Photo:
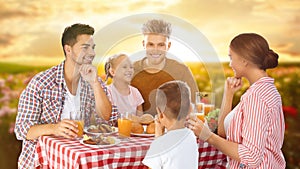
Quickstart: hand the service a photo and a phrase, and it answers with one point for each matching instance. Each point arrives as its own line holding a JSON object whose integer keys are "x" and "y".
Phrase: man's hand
{"x": 66, "y": 128}
{"x": 89, "y": 73}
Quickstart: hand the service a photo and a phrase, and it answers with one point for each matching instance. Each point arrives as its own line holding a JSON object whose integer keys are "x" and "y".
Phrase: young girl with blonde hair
{"x": 126, "y": 97}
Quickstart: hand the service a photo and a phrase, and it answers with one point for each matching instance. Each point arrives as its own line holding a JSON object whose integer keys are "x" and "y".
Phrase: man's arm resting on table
{"x": 65, "y": 128}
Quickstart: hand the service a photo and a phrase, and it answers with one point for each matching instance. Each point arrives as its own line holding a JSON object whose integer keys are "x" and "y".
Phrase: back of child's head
{"x": 112, "y": 63}
{"x": 173, "y": 98}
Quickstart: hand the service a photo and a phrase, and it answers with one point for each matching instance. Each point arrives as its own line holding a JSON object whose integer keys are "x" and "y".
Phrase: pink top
{"x": 125, "y": 103}
{"x": 258, "y": 127}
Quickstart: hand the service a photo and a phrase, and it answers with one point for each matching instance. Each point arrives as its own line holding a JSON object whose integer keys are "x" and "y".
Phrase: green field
{"x": 14, "y": 68}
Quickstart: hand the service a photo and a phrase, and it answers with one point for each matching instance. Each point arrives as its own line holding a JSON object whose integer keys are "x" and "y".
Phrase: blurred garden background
{"x": 14, "y": 78}
{"x": 32, "y": 30}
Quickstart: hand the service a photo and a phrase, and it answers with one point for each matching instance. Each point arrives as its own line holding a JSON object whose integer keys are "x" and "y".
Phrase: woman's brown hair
{"x": 255, "y": 49}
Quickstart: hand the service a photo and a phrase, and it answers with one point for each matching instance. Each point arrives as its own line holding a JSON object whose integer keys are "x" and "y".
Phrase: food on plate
{"x": 93, "y": 129}
{"x": 146, "y": 119}
{"x": 105, "y": 128}
{"x": 90, "y": 141}
{"x": 137, "y": 128}
{"x": 100, "y": 128}
{"x": 150, "y": 128}
{"x": 135, "y": 118}
{"x": 85, "y": 137}
{"x": 101, "y": 140}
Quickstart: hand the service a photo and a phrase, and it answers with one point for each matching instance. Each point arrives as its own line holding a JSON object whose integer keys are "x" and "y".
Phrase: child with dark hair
{"x": 177, "y": 148}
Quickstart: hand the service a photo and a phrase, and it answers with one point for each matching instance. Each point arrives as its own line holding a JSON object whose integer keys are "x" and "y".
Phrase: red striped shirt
{"x": 258, "y": 127}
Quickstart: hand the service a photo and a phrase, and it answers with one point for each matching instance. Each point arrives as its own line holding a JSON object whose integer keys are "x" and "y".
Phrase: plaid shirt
{"x": 42, "y": 102}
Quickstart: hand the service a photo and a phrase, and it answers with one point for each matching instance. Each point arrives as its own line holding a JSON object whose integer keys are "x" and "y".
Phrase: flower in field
{"x": 287, "y": 80}
{"x": 7, "y": 110}
{"x": 289, "y": 110}
{"x": 278, "y": 84}
{"x": 27, "y": 80}
{"x": 2, "y": 112}
{"x": 15, "y": 94}
{"x": 10, "y": 78}
{"x": 5, "y": 90}
{"x": 2, "y": 83}
{"x": 286, "y": 126}
{"x": 5, "y": 99}
{"x": 11, "y": 128}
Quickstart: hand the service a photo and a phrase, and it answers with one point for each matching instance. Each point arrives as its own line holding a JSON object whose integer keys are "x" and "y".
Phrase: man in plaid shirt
{"x": 52, "y": 95}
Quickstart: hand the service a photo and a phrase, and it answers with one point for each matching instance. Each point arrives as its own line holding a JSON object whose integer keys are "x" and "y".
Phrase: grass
{"x": 14, "y": 68}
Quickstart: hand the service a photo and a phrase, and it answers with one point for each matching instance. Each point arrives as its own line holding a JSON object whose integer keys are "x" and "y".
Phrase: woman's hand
{"x": 233, "y": 84}
{"x": 198, "y": 127}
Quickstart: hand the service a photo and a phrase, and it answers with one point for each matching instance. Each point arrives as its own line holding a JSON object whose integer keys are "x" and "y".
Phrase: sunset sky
{"x": 31, "y": 30}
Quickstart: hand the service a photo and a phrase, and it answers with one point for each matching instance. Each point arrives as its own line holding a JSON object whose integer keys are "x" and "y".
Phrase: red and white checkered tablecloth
{"x": 210, "y": 157}
{"x": 56, "y": 152}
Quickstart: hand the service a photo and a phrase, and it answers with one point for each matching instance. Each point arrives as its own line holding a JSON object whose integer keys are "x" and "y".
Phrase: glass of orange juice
{"x": 196, "y": 113}
{"x": 200, "y": 116}
{"x": 124, "y": 124}
{"x": 208, "y": 100}
{"x": 208, "y": 108}
{"x": 199, "y": 105}
{"x": 78, "y": 117}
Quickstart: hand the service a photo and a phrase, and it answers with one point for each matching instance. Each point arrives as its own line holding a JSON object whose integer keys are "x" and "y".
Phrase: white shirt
{"x": 176, "y": 149}
{"x": 228, "y": 119}
{"x": 72, "y": 102}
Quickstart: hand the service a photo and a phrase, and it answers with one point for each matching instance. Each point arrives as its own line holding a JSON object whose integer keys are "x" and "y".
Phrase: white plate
{"x": 117, "y": 141}
{"x": 115, "y": 130}
{"x": 143, "y": 134}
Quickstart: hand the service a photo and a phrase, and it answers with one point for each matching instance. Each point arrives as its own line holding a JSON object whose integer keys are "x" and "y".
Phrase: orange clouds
{"x": 33, "y": 28}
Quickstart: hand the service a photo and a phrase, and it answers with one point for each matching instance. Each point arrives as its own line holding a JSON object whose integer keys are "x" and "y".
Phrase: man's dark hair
{"x": 71, "y": 32}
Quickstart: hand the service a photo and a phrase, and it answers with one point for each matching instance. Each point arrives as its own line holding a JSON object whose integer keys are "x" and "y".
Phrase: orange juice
{"x": 124, "y": 126}
{"x": 199, "y": 107}
{"x": 208, "y": 108}
{"x": 80, "y": 128}
{"x": 200, "y": 116}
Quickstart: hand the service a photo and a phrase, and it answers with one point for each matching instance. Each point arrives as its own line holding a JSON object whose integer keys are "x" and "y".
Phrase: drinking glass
{"x": 199, "y": 105}
{"x": 78, "y": 117}
{"x": 124, "y": 124}
{"x": 208, "y": 98}
{"x": 198, "y": 114}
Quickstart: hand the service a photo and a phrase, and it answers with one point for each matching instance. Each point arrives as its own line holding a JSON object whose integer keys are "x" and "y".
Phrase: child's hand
{"x": 159, "y": 128}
